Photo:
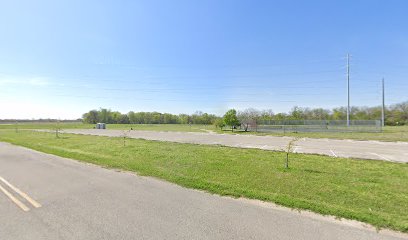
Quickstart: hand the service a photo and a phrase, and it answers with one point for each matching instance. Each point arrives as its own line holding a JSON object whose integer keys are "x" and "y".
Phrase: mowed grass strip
{"x": 143, "y": 127}
{"x": 389, "y": 133}
{"x": 374, "y": 192}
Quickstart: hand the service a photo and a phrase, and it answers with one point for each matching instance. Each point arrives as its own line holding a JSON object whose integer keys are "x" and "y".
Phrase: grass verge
{"x": 389, "y": 134}
{"x": 146, "y": 127}
{"x": 374, "y": 192}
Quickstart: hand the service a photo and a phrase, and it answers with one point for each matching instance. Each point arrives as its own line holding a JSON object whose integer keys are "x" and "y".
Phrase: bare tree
{"x": 57, "y": 129}
{"x": 125, "y": 136}
{"x": 290, "y": 149}
{"x": 248, "y": 117}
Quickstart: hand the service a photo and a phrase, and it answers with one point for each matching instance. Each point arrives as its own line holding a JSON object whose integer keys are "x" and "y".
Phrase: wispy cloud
{"x": 6, "y": 81}
{"x": 32, "y": 81}
{"x": 39, "y": 81}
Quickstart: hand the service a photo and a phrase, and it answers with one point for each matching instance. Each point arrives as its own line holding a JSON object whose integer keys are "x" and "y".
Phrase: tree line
{"x": 396, "y": 114}
{"x": 108, "y": 116}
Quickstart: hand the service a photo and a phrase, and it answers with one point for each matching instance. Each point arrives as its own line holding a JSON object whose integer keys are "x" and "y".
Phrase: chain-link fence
{"x": 287, "y": 126}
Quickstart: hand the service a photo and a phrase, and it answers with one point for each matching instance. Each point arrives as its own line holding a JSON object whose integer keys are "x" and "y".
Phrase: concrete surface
{"x": 387, "y": 151}
{"x": 83, "y": 201}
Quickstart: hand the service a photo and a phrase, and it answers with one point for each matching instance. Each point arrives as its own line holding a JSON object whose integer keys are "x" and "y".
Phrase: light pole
{"x": 348, "y": 90}
{"x": 383, "y": 105}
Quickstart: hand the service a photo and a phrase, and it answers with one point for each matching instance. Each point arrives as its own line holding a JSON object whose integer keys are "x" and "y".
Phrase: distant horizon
{"x": 218, "y": 115}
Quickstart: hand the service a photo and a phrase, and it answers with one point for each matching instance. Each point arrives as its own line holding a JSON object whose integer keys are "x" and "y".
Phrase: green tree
{"x": 339, "y": 113}
{"x": 184, "y": 118}
{"x": 91, "y": 117}
{"x": 297, "y": 113}
{"x": 123, "y": 119}
{"x": 132, "y": 117}
{"x": 231, "y": 119}
{"x": 115, "y": 117}
{"x": 105, "y": 115}
{"x": 219, "y": 123}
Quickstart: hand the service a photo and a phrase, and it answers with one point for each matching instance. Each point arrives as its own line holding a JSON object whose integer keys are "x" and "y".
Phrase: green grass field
{"x": 374, "y": 192}
{"x": 389, "y": 134}
{"x": 399, "y": 133}
{"x": 147, "y": 127}
{"x": 163, "y": 127}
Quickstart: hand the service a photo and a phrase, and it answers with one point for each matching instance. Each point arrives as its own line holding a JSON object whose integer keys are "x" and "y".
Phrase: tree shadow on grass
{"x": 313, "y": 171}
{"x": 63, "y": 137}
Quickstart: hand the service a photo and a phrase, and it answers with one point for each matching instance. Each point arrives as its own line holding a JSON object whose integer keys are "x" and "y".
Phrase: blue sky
{"x": 60, "y": 59}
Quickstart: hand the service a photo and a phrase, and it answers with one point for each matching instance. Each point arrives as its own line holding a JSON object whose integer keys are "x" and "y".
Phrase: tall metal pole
{"x": 383, "y": 105}
{"x": 348, "y": 89}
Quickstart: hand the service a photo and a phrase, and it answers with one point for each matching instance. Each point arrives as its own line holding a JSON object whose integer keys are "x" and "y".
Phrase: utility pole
{"x": 348, "y": 90}
{"x": 383, "y": 105}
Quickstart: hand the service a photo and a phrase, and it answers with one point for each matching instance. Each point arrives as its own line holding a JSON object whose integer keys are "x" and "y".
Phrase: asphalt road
{"x": 388, "y": 151}
{"x": 73, "y": 200}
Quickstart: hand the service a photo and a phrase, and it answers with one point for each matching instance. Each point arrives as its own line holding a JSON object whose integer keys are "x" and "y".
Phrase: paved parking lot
{"x": 387, "y": 151}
